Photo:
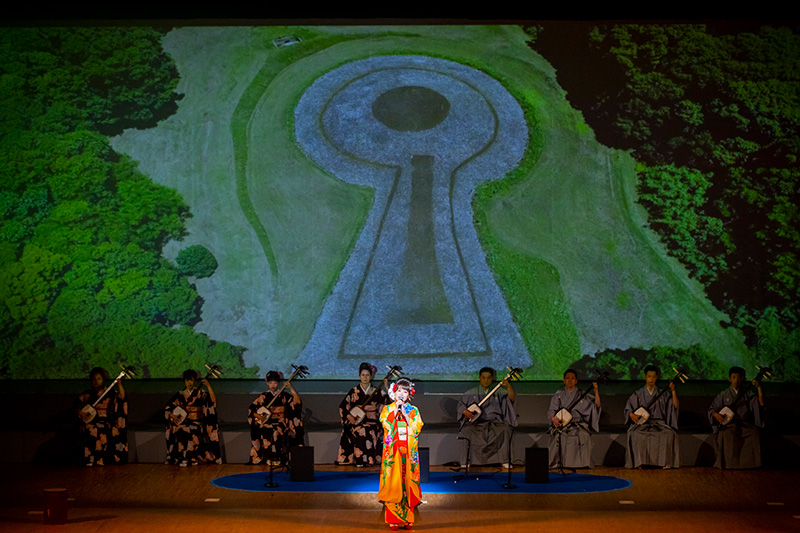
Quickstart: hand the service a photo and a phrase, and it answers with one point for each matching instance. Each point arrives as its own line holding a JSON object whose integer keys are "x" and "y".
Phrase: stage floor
{"x": 152, "y": 498}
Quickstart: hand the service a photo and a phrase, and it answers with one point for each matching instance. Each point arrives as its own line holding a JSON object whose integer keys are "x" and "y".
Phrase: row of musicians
{"x": 194, "y": 437}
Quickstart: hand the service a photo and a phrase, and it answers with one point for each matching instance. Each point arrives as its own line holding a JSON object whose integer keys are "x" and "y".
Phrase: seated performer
{"x": 192, "y": 428}
{"x": 361, "y": 442}
{"x": 738, "y": 441}
{"x": 570, "y": 442}
{"x": 652, "y": 442}
{"x": 273, "y": 435}
{"x": 104, "y": 438}
{"x": 489, "y": 434}
{"x": 399, "y": 489}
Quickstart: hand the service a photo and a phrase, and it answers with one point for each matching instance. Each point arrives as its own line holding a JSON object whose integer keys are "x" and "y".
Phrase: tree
{"x": 676, "y": 200}
{"x": 629, "y": 364}
{"x": 83, "y": 281}
{"x": 713, "y": 117}
{"x": 196, "y": 261}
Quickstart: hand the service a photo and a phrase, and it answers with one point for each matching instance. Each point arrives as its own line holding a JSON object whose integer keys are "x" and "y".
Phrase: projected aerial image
{"x": 543, "y": 196}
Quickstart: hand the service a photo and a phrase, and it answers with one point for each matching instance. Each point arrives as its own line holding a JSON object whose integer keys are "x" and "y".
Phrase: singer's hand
{"x": 401, "y": 408}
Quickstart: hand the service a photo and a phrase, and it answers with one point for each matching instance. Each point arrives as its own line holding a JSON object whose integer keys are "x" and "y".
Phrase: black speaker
{"x": 536, "y": 465}
{"x": 302, "y": 466}
{"x": 424, "y": 465}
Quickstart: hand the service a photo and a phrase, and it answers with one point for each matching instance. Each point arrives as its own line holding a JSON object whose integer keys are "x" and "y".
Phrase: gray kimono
{"x": 654, "y": 442}
{"x": 490, "y": 434}
{"x": 738, "y": 442}
{"x": 572, "y": 444}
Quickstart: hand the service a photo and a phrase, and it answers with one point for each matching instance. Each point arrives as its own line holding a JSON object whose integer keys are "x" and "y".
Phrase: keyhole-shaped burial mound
{"x": 422, "y": 133}
{"x": 410, "y": 108}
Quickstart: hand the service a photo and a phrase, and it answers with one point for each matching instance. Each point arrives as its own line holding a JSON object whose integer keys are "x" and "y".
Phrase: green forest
{"x": 82, "y": 275}
{"x": 711, "y": 113}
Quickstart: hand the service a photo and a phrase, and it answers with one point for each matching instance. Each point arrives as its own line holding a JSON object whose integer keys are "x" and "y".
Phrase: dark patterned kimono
{"x": 362, "y": 444}
{"x": 196, "y": 440}
{"x": 104, "y": 440}
{"x": 271, "y": 442}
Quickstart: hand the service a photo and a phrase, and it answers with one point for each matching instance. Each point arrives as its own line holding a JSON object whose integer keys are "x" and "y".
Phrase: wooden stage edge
{"x": 152, "y": 498}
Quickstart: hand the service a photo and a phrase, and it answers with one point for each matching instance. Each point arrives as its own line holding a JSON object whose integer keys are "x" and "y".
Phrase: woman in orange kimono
{"x": 400, "y": 486}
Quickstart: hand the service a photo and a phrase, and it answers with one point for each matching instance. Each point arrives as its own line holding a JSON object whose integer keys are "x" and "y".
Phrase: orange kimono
{"x": 400, "y": 487}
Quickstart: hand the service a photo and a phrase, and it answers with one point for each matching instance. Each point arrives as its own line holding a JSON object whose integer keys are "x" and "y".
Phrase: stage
{"x": 151, "y": 498}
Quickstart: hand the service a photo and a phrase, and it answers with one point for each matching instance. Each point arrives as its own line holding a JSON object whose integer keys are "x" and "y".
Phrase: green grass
{"x": 575, "y": 208}
{"x": 279, "y": 60}
{"x": 562, "y": 233}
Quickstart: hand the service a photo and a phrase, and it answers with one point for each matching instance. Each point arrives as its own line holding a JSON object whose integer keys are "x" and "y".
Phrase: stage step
{"x": 147, "y": 445}
{"x": 697, "y": 449}
{"x": 40, "y": 428}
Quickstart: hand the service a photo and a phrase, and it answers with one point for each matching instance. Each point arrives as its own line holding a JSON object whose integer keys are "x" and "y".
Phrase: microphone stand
{"x": 561, "y": 468}
{"x": 465, "y": 475}
{"x": 508, "y": 484}
{"x": 270, "y": 484}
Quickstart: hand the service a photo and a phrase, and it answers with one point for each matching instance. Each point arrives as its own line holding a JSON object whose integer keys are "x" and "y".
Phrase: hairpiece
{"x": 402, "y": 382}
{"x": 274, "y": 375}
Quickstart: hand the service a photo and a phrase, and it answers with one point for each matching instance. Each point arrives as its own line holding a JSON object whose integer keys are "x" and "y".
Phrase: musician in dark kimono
{"x": 103, "y": 439}
{"x": 192, "y": 428}
{"x": 361, "y": 442}
{"x": 738, "y": 440}
{"x": 489, "y": 434}
{"x": 653, "y": 440}
{"x": 570, "y": 442}
{"x": 272, "y": 434}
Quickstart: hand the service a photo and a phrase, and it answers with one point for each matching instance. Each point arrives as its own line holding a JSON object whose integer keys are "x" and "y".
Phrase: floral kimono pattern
{"x": 196, "y": 440}
{"x": 104, "y": 440}
{"x": 400, "y": 488}
{"x": 361, "y": 444}
{"x": 271, "y": 441}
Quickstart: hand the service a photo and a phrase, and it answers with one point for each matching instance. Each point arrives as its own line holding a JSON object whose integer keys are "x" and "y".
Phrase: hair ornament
{"x": 274, "y": 375}
{"x": 402, "y": 382}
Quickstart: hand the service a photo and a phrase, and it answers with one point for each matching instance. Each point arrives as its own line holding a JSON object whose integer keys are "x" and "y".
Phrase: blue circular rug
{"x": 440, "y": 483}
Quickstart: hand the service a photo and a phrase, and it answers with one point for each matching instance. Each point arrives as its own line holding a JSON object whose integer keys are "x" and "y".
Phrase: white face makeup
{"x": 401, "y": 395}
